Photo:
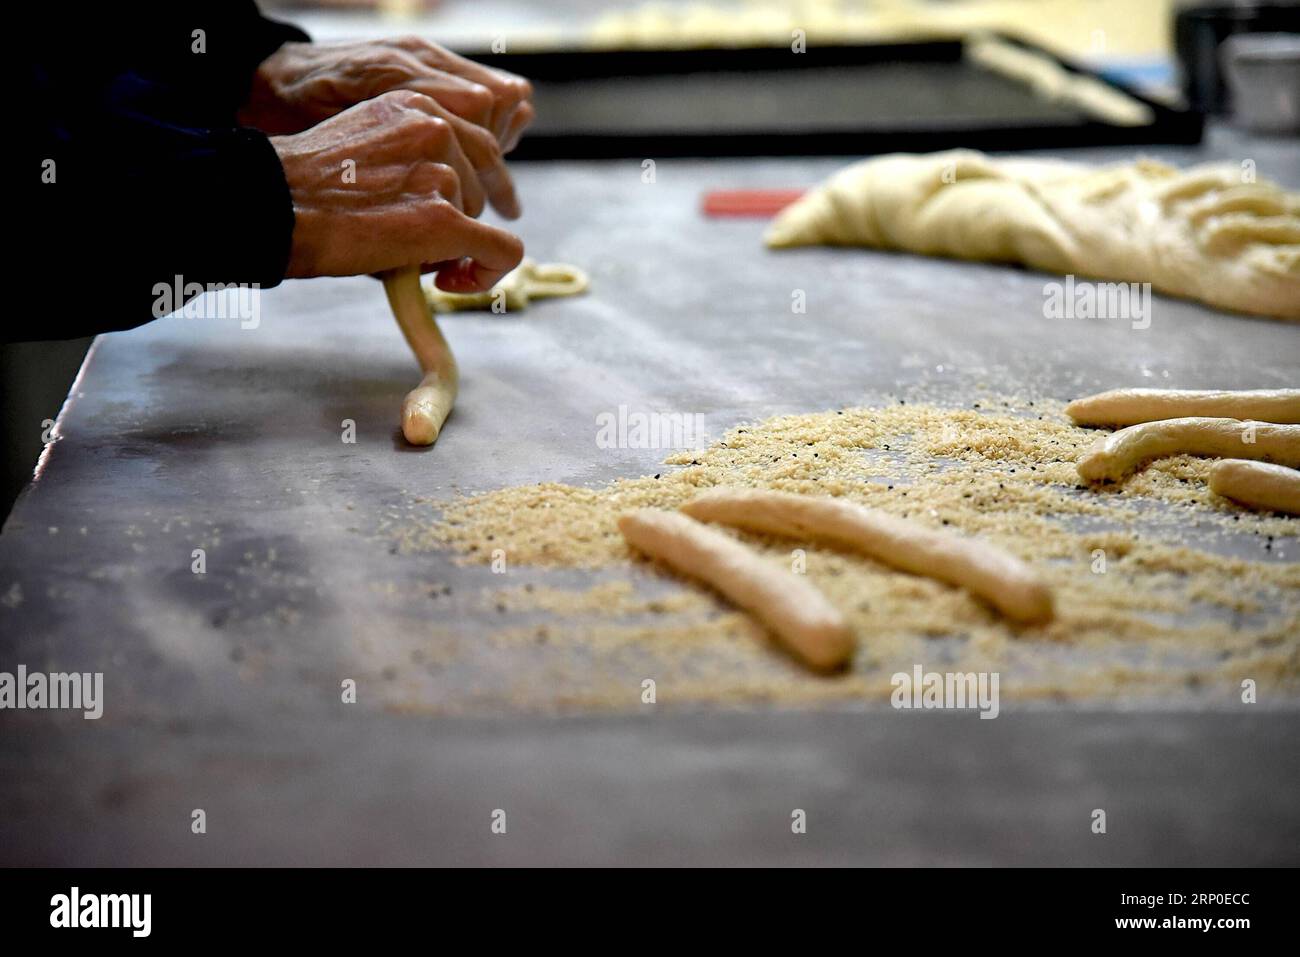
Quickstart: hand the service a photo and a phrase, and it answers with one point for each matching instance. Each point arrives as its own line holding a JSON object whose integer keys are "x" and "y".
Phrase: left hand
{"x": 301, "y": 84}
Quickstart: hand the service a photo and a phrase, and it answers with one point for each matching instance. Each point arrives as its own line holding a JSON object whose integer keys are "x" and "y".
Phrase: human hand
{"x": 419, "y": 174}
{"x": 303, "y": 83}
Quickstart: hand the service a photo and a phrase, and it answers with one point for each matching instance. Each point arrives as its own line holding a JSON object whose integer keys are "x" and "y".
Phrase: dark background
{"x": 34, "y": 380}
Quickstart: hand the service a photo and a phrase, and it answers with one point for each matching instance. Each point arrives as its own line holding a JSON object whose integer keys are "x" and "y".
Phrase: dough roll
{"x": 1116, "y": 455}
{"x": 1259, "y": 485}
{"x": 1120, "y": 407}
{"x": 797, "y": 613}
{"x": 1001, "y": 579}
{"x": 426, "y": 407}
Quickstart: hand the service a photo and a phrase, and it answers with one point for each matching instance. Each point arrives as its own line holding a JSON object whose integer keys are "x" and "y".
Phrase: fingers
{"x": 461, "y": 275}
{"x": 508, "y": 91}
{"x": 507, "y": 110}
{"x": 472, "y": 152}
{"x": 486, "y": 253}
{"x": 484, "y": 154}
{"x": 519, "y": 121}
{"x": 438, "y": 142}
{"x": 434, "y": 181}
{"x": 465, "y": 98}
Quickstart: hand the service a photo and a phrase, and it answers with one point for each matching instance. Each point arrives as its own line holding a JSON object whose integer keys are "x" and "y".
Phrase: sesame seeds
{"x": 1170, "y": 609}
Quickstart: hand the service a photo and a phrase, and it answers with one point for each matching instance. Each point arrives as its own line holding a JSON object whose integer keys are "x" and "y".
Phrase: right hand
{"x": 421, "y": 175}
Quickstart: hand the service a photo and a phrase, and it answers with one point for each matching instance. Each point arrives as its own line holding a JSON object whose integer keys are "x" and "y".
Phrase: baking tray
{"x": 829, "y": 100}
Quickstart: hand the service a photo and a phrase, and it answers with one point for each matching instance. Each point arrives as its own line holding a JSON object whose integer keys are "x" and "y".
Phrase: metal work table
{"x": 222, "y": 690}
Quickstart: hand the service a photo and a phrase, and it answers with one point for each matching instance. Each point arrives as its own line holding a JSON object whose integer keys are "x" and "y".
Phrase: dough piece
{"x": 1120, "y": 407}
{"x": 427, "y": 406}
{"x": 1257, "y": 484}
{"x": 1003, "y": 580}
{"x": 1053, "y": 82}
{"x": 1200, "y": 233}
{"x": 1119, "y": 453}
{"x": 796, "y": 612}
{"x": 1133, "y": 30}
{"x": 516, "y": 289}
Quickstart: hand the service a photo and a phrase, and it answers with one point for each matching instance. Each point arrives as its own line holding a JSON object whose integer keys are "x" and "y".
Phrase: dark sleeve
{"x": 139, "y": 178}
{"x": 205, "y": 207}
{"x": 209, "y": 50}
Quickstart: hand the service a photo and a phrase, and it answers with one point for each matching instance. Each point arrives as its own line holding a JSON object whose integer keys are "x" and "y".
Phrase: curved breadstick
{"x": 1121, "y": 407}
{"x": 1002, "y": 580}
{"x": 1257, "y": 484}
{"x": 1119, "y": 453}
{"x": 426, "y": 406}
{"x": 796, "y": 612}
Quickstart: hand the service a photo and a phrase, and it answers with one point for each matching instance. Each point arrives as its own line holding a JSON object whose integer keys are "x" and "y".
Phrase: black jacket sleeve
{"x": 138, "y": 177}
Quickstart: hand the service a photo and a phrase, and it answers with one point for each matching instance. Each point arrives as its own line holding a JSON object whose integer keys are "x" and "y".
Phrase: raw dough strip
{"x": 796, "y": 612}
{"x": 1120, "y": 407}
{"x": 1054, "y": 83}
{"x": 1119, "y": 453}
{"x": 1257, "y": 484}
{"x": 427, "y": 406}
{"x": 1002, "y": 580}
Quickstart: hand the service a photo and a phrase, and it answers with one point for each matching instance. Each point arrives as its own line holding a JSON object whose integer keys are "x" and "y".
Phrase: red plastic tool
{"x": 754, "y": 203}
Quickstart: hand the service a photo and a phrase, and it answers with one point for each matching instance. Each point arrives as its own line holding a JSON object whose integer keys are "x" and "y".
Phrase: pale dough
{"x": 1119, "y": 453}
{"x": 1260, "y": 485}
{"x": 1132, "y": 30}
{"x": 1053, "y": 82}
{"x": 1120, "y": 407}
{"x": 1201, "y": 233}
{"x": 1001, "y": 579}
{"x": 796, "y": 612}
{"x": 516, "y": 289}
{"x": 427, "y": 406}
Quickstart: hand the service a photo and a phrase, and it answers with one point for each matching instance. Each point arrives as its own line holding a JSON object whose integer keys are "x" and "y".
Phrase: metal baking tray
{"x": 829, "y": 100}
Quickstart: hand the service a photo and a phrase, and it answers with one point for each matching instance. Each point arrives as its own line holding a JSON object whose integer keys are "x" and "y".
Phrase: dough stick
{"x": 426, "y": 406}
{"x": 1120, "y": 407}
{"x": 1002, "y": 580}
{"x": 1257, "y": 484}
{"x": 1054, "y": 83}
{"x": 796, "y": 612}
{"x": 1119, "y": 453}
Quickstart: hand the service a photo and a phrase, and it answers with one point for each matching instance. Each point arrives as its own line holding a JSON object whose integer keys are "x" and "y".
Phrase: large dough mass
{"x": 1204, "y": 233}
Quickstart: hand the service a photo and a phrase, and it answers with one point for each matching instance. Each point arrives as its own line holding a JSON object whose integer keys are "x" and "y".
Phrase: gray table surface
{"x": 222, "y": 690}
